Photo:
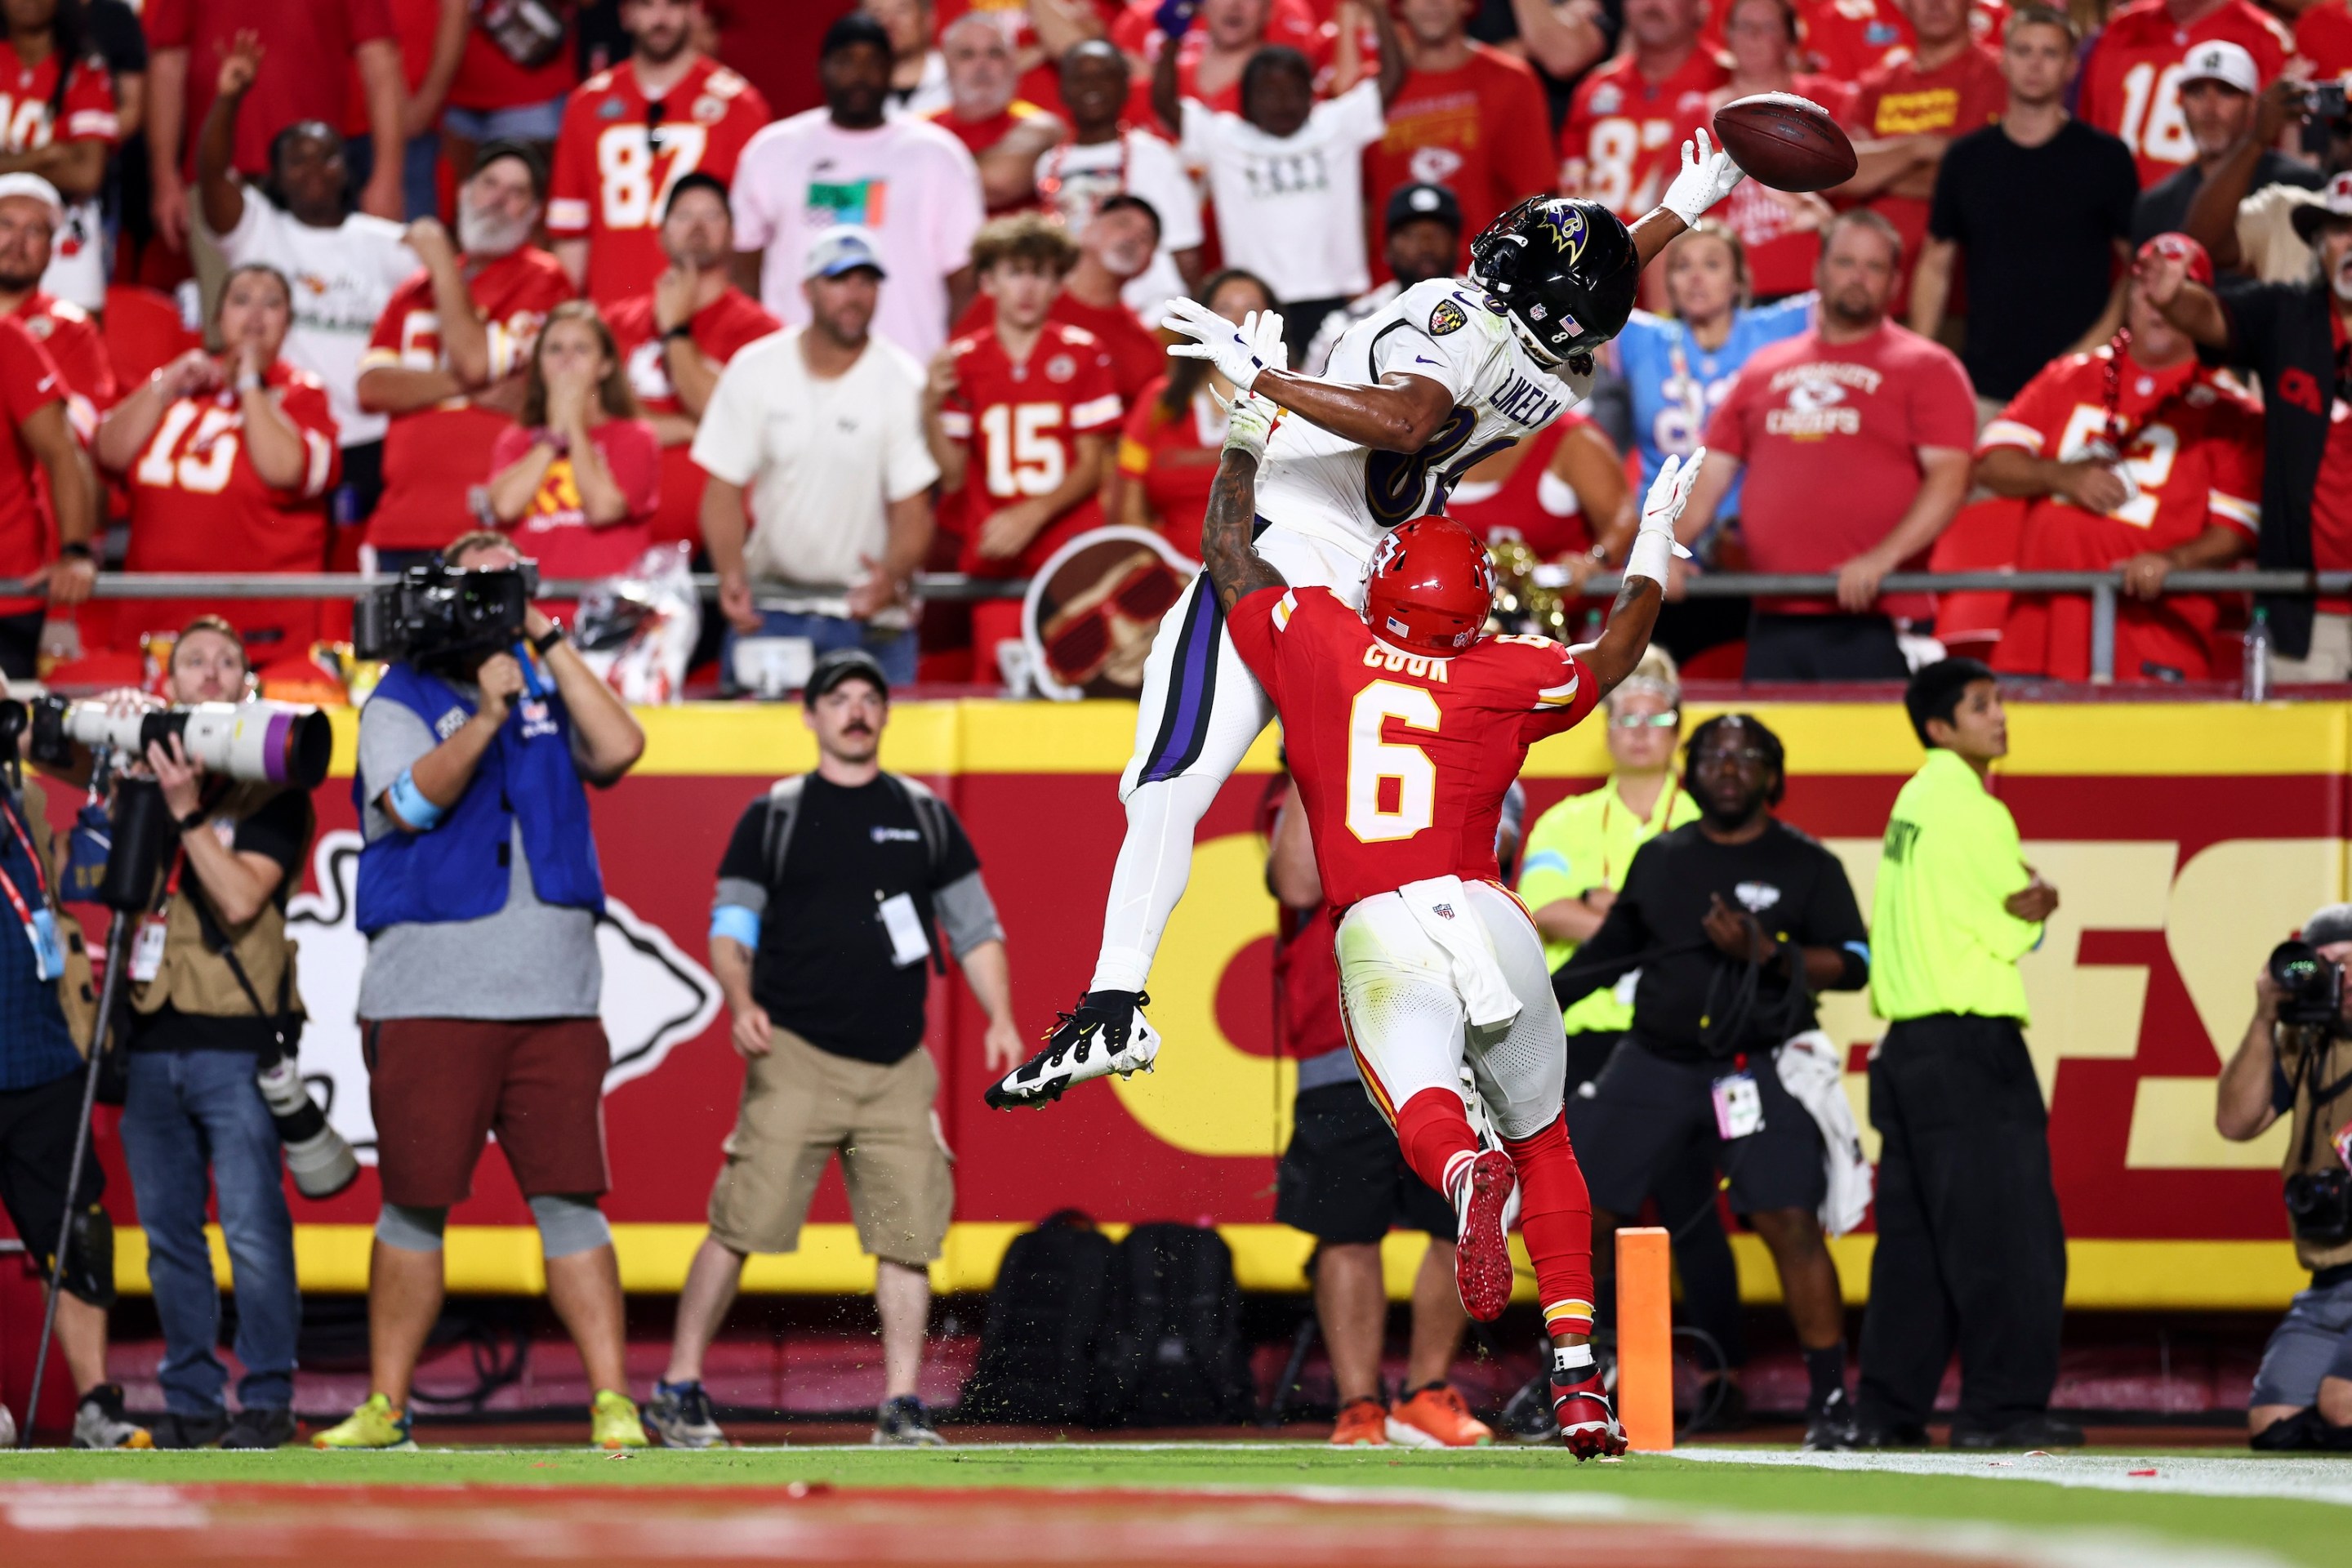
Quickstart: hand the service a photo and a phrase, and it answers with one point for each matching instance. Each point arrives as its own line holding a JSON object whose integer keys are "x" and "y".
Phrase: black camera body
{"x": 2311, "y": 987}
{"x": 2319, "y": 1206}
{"x": 442, "y": 618}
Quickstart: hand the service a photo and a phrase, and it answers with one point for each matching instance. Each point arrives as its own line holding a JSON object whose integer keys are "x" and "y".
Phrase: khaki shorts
{"x": 801, "y": 1106}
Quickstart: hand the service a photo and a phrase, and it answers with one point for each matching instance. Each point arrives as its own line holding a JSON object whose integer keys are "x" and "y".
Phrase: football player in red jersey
{"x": 228, "y": 462}
{"x": 2131, "y": 79}
{"x": 1629, "y": 118}
{"x": 1021, "y": 418}
{"x": 2138, "y": 456}
{"x": 629, "y": 135}
{"x": 676, "y": 340}
{"x": 1404, "y": 725}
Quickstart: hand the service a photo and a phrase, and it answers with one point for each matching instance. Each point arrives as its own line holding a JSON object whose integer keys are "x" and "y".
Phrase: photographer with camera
{"x": 479, "y": 892}
{"x": 213, "y": 1003}
{"x": 2296, "y": 1061}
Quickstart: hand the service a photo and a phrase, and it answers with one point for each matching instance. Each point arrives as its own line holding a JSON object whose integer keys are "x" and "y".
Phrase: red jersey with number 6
{"x": 1402, "y": 759}
{"x": 1020, "y": 424}
{"x": 619, "y": 153}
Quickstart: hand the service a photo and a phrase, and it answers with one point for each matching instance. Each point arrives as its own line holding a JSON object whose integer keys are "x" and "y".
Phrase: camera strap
{"x": 217, "y": 940}
{"x": 2321, "y": 1096}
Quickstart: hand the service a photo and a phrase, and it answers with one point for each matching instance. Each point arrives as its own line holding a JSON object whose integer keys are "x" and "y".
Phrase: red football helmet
{"x": 1430, "y": 587}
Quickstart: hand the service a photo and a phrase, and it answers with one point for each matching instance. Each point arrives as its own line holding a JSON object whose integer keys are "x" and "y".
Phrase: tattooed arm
{"x": 1235, "y": 568}
{"x": 1626, "y": 637}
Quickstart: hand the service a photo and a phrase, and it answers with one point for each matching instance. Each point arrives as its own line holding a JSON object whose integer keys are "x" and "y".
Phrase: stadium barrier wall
{"x": 2186, "y": 839}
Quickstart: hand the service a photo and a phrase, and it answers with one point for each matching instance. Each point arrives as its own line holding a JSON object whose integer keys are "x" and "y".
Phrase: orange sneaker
{"x": 1435, "y": 1417}
{"x": 1363, "y": 1424}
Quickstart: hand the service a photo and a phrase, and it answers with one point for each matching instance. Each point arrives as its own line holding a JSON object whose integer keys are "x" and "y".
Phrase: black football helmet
{"x": 1564, "y": 270}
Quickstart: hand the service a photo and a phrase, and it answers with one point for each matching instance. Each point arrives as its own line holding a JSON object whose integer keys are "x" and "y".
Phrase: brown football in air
{"x": 1788, "y": 142}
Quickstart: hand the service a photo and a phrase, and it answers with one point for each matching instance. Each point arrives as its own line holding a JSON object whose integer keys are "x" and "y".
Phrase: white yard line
{"x": 2317, "y": 1478}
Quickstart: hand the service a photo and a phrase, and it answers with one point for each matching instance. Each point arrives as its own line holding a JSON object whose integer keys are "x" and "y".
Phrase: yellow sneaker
{"x": 375, "y": 1425}
{"x": 614, "y": 1421}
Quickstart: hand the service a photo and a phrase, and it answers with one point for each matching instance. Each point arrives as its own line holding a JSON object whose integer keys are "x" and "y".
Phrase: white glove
{"x": 1239, "y": 354}
{"x": 1654, "y": 543}
{"x": 1250, "y": 421}
{"x": 1709, "y": 173}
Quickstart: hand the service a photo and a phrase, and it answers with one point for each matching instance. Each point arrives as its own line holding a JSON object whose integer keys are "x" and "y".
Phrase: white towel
{"x": 1812, "y": 1070}
{"x": 1442, "y": 907}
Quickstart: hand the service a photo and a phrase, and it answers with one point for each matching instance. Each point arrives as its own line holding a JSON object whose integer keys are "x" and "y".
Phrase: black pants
{"x": 20, "y": 644}
{"x": 1823, "y": 647}
{"x": 1971, "y": 1251}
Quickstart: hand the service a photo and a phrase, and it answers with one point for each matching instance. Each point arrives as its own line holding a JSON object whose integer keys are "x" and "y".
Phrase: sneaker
{"x": 1363, "y": 1423}
{"x": 614, "y": 1421}
{"x": 1870, "y": 1434}
{"x": 1109, "y": 1034}
{"x": 679, "y": 1414}
{"x": 375, "y": 1425}
{"x": 260, "y": 1429}
{"x": 174, "y": 1430}
{"x": 1832, "y": 1425}
{"x": 1483, "y": 1191}
{"x": 903, "y": 1423}
{"x": 1435, "y": 1417}
{"x": 100, "y": 1421}
{"x": 2040, "y": 1431}
{"x": 1588, "y": 1421}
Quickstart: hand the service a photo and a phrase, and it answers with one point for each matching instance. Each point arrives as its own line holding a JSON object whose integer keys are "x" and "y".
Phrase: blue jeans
{"x": 420, "y": 185}
{"x": 188, "y": 1109}
{"x": 893, "y": 650}
{"x": 522, "y": 123}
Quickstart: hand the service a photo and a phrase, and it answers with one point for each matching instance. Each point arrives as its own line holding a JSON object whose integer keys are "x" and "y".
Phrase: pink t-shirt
{"x": 908, "y": 181}
{"x": 555, "y": 530}
{"x": 1829, "y": 435}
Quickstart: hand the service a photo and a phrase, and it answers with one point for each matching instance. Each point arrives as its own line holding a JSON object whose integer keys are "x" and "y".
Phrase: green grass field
{"x": 2306, "y": 1517}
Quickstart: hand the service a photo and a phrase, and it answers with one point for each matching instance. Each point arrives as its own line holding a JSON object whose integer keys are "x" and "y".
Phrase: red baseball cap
{"x": 2181, "y": 249}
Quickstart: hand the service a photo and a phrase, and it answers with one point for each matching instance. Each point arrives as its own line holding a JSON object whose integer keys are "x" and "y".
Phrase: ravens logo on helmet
{"x": 1564, "y": 271}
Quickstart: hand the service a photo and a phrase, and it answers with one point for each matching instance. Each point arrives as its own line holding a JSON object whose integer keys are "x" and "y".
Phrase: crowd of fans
{"x": 933, "y": 196}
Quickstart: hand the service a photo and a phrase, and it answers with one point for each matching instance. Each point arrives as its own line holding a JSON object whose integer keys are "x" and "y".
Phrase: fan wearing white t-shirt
{"x": 1286, "y": 174}
{"x": 906, "y": 181}
{"x": 1101, "y": 160}
{"x": 343, "y": 266}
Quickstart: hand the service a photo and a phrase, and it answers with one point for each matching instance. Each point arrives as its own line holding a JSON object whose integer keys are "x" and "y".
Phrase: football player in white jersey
{"x": 1446, "y": 374}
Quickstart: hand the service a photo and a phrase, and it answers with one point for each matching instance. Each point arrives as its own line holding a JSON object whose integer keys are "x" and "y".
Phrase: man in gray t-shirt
{"x": 478, "y": 1004}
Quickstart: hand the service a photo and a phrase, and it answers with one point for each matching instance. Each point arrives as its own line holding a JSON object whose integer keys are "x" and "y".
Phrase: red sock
{"x": 1556, "y": 1217}
{"x": 1435, "y": 1134}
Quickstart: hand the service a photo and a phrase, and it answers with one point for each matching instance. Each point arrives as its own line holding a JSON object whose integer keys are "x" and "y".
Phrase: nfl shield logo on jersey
{"x": 1445, "y": 912}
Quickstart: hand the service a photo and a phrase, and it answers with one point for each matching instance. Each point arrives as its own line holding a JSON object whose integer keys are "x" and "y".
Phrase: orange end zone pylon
{"x": 1645, "y": 1339}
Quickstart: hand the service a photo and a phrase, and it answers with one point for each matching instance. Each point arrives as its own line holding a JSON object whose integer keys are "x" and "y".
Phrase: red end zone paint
{"x": 363, "y": 1526}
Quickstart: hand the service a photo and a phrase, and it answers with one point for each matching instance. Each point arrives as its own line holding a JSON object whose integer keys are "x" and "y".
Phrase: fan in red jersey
{"x": 629, "y": 135}
{"x": 229, "y": 460}
{"x": 31, "y": 216}
{"x": 2131, "y": 80}
{"x": 1218, "y": 41}
{"x": 1629, "y": 118}
{"x": 62, "y": 131}
{"x": 676, "y": 340}
{"x": 1019, "y": 418}
{"x": 446, "y": 358}
{"x": 1004, "y": 133}
{"x": 2137, "y": 456}
{"x": 38, "y": 440}
{"x": 1404, "y": 725}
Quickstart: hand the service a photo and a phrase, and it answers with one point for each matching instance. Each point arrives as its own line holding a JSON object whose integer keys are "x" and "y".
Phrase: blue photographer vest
{"x": 460, "y": 870}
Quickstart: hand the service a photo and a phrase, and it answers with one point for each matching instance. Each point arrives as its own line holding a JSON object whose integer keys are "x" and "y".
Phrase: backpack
{"x": 929, "y": 812}
{"x": 1175, "y": 1356}
{"x": 1043, "y": 1343}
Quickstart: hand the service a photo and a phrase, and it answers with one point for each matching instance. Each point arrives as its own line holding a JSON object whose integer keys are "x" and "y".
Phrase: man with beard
{"x": 1102, "y": 159}
{"x": 45, "y": 529}
{"x": 906, "y": 181}
{"x": 1423, "y": 224}
{"x": 1856, "y": 407}
{"x": 2224, "y": 103}
{"x": 344, "y": 265}
{"x": 31, "y": 213}
{"x": 675, "y": 339}
{"x": 1733, "y": 921}
{"x": 2292, "y": 335}
{"x": 447, "y": 358}
{"x": 629, "y": 134}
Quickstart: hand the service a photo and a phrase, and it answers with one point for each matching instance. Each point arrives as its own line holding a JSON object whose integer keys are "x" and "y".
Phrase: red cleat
{"x": 1588, "y": 1422}
{"x": 1482, "y": 1257}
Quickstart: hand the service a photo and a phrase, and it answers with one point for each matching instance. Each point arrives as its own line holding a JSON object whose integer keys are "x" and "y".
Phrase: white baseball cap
{"x": 844, "y": 247}
{"x": 38, "y": 189}
{"x": 2224, "y": 62}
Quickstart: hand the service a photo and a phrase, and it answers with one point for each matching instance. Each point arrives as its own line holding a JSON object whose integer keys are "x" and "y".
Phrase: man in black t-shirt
{"x": 1733, "y": 922}
{"x": 2038, "y": 206}
{"x": 835, "y": 897}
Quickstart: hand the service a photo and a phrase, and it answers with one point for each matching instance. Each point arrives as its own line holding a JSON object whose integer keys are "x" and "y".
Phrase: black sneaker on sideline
{"x": 173, "y": 1430}
{"x": 260, "y": 1429}
{"x": 903, "y": 1423}
{"x": 2040, "y": 1431}
{"x": 679, "y": 1414}
{"x": 1889, "y": 1435}
{"x": 1832, "y": 1425}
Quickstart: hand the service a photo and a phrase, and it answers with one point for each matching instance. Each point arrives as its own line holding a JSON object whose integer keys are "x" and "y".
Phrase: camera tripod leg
{"x": 118, "y": 957}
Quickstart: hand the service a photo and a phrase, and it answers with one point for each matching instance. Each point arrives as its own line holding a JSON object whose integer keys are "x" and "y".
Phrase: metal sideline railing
{"x": 2103, "y": 588}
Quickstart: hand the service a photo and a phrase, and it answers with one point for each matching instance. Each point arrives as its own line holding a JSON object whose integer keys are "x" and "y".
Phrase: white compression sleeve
{"x": 1155, "y": 861}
